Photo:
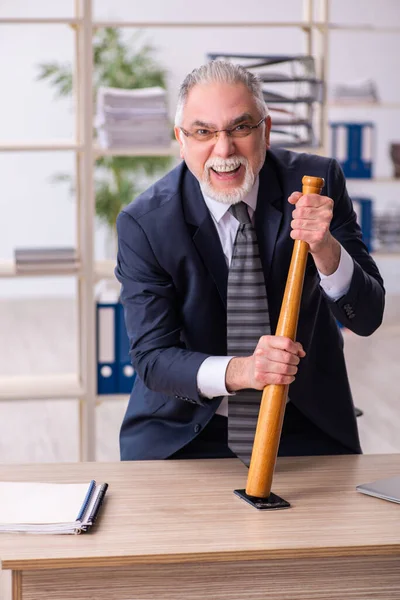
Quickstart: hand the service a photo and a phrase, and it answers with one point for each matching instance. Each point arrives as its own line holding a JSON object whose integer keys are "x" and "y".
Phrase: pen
{"x": 98, "y": 502}
{"x": 86, "y": 501}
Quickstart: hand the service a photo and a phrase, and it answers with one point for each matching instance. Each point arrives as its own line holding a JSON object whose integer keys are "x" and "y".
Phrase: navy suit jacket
{"x": 174, "y": 285}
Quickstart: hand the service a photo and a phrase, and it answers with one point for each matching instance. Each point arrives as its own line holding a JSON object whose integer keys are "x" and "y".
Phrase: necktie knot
{"x": 240, "y": 212}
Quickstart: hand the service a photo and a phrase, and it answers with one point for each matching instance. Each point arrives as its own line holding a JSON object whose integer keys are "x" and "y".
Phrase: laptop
{"x": 387, "y": 489}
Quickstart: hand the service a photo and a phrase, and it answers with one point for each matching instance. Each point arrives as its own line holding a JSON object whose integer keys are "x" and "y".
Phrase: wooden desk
{"x": 174, "y": 530}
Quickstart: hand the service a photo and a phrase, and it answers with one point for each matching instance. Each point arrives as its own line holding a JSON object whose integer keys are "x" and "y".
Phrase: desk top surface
{"x": 185, "y": 511}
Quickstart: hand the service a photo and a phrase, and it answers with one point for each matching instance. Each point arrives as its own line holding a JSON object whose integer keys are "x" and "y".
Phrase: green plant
{"x": 119, "y": 179}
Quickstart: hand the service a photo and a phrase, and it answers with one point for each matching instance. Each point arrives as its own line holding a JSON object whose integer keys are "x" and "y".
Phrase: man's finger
{"x": 275, "y": 367}
{"x": 294, "y": 197}
{"x": 313, "y": 200}
{"x": 279, "y": 356}
{"x": 280, "y": 343}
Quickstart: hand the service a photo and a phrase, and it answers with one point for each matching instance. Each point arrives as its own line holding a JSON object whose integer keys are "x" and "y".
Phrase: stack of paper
{"x": 49, "y": 507}
{"x": 387, "y": 230}
{"x": 355, "y": 92}
{"x": 45, "y": 259}
{"x": 132, "y": 118}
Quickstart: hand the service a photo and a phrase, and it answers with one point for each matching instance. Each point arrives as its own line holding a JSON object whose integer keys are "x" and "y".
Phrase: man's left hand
{"x": 312, "y": 217}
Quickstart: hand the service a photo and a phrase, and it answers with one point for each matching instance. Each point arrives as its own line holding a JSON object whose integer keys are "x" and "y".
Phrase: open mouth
{"x": 226, "y": 172}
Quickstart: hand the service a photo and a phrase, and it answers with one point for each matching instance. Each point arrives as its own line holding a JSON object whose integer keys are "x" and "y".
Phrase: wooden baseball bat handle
{"x": 273, "y": 402}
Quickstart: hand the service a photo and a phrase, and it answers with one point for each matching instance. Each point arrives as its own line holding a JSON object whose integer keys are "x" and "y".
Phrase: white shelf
{"x": 52, "y": 387}
{"x": 172, "y": 150}
{"x": 112, "y": 398}
{"x": 373, "y": 180}
{"x": 202, "y": 24}
{"x": 39, "y": 21}
{"x": 369, "y": 28}
{"x": 104, "y": 269}
{"x": 381, "y": 254}
{"x": 358, "y": 105}
{"x": 40, "y": 146}
{"x": 306, "y": 26}
{"x": 8, "y": 269}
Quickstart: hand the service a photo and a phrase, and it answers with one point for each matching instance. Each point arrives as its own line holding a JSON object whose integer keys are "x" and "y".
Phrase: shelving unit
{"x": 349, "y": 109}
{"x": 82, "y": 385}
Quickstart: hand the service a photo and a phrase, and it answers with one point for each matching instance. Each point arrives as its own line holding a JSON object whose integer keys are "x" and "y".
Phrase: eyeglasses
{"x": 205, "y": 135}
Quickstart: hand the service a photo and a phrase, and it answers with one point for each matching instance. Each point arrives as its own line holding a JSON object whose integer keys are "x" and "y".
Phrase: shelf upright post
{"x": 322, "y": 53}
{"x": 86, "y": 216}
{"x": 308, "y": 11}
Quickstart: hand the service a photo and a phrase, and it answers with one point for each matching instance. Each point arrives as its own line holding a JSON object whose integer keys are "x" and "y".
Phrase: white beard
{"x": 234, "y": 195}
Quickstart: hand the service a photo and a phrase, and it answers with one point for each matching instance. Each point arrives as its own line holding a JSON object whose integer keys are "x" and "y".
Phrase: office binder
{"x": 115, "y": 374}
{"x": 125, "y": 372}
{"x": 50, "y": 508}
{"x": 352, "y": 146}
{"x": 107, "y": 376}
{"x": 364, "y": 211}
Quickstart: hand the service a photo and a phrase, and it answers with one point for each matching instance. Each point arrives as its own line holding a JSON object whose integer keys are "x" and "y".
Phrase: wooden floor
{"x": 38, "y": 337}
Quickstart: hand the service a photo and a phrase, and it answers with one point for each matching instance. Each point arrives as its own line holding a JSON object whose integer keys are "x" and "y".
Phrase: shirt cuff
{"x": 338, "y": 284}
{"x": 211, "y": 376}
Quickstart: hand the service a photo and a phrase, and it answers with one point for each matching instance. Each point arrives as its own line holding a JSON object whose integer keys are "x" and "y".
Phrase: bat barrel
{"x": 273, "y": 402}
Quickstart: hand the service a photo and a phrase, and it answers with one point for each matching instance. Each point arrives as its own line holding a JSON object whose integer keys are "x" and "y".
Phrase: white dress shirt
{"x": 211, "y": 374}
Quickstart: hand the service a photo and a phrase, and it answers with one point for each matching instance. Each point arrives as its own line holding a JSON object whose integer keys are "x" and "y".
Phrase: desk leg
{"x": 10, "y": 585}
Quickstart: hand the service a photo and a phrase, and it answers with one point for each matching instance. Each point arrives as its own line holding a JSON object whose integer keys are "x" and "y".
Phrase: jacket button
{"x": 197, "y": 428}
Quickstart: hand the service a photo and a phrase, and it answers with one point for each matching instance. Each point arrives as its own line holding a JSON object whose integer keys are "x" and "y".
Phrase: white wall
{"x": 35, "y": 212}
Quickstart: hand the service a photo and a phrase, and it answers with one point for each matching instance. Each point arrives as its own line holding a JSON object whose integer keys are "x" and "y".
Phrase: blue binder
{"x": 115, "y": 374}
{"x": 364, "y": 209}
{"x": 352, "y": 146}
{"x": 125, "y": 372}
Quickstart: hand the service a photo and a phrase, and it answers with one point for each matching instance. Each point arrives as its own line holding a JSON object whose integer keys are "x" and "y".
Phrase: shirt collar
{"x": 219, "y": 209}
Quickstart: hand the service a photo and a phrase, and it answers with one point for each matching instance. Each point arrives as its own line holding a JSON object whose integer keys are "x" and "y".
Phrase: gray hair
{"x": 220, "y": 71}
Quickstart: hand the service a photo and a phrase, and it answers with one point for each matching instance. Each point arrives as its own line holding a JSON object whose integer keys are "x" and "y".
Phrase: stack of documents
{"x": 45, "y": 259}
{"x": 387, "y": 230}
{"x": 132, "y": 118}
{"x": 49, "y": 507}
{"x": 356, "y": 92}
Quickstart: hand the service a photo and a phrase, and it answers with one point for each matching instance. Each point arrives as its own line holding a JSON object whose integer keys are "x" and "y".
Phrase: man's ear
{"x": 179, "y": 136}
{"x": 268, "y": 124}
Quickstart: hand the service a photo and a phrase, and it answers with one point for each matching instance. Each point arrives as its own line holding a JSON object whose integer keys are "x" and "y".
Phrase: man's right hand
{"x": 274, "y": 360}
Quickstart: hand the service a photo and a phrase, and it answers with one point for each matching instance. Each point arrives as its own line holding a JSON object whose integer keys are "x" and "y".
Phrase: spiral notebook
{"x": 50, "y": 507}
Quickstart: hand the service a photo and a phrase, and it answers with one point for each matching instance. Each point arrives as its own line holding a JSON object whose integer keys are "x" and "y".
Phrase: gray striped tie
{"x": 247, "y": 321}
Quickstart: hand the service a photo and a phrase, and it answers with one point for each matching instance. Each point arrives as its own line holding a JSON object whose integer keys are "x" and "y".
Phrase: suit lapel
{"x": 204, "y": 233}
{"x": 268, "y": 214}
